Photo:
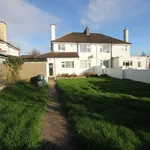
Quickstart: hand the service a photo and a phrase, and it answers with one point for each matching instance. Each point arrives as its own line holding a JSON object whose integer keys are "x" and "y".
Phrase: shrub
{"x": 94, "y": 76}
{"x": 104, "y": 75}
{"x": 73, "y": 75}
{"x": 13, "y": 65}
{"x": 58, "y": 75}
{"x": 65, "y": 75}
{"x": 88, "y": 74}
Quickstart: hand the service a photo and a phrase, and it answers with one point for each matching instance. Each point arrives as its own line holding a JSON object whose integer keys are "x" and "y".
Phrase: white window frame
{"x": 87, "y": 48}
{"x": 128, "y": 61}
{"x": 64, "y": 63}
{"x": 87, "y": 63}
{"x": 101, "y": 48}
{"x": 61, "y": 47}
{"x": 140, "y": 64}
{"x": 103, "y": 63}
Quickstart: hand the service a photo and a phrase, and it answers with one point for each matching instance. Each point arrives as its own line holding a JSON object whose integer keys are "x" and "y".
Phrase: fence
{"x": 136, "y": 75}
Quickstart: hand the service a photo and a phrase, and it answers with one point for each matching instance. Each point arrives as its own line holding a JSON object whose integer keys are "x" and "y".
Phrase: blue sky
{"x": 28, "y": 21}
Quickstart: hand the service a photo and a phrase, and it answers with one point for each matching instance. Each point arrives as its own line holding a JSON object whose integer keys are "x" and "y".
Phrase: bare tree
{"x": 143, "y": 54}
{"x": 34, "y": 52}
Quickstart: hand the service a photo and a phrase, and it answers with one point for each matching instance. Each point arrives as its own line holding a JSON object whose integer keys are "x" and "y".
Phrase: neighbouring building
{"x": 78, "y": 52}
{"x": 5, "y": 47}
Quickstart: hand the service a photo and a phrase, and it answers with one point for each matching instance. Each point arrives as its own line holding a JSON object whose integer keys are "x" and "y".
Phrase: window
{"x": 89, "y": 64}
{"x": 106, "y": 63}
{"x": 101, "y": 62}
{"x": 83, "y": 63}
{"x": 101, "y": 48}
{"x": 61, "y": 47}
{"x": 104, "y": 48}
{"x": 139, "y": 64}
{"x": 67, "y": 64}
{"x": 127, "y": 63}
{"x": 85, "y": 48}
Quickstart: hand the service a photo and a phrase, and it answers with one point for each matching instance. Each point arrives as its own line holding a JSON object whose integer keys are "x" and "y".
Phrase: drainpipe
{"x": 54, "y": 68}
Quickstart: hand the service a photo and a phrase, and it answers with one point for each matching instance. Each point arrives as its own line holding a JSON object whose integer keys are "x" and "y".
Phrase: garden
{"x": 107, "y": 113}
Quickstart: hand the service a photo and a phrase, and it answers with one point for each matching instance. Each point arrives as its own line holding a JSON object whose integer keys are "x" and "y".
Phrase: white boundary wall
{"x": 136, "y": 75}
{"x": 115, "y": 72}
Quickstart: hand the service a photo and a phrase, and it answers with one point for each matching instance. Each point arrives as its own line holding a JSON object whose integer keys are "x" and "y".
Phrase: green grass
{"x": 108, "y": 114}
{"x": 22, "y": 108}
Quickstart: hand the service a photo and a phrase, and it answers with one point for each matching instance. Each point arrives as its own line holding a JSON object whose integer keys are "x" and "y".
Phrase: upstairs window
{"x": 67, "y": 64}
{"x": 85, "y": 48}
{"x": 104, "y": 48}
{"x": 61, "y": 47}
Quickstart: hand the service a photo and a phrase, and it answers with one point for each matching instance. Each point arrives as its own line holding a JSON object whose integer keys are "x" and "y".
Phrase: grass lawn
{"x": 22, "y": 108}
{"x": 107, "y": 113}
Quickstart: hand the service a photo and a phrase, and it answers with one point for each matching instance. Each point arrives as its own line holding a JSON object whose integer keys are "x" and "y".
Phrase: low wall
{"x": 138, "y": 75}
{"x": 115, "y": 72}
{"x": 30, "y": 69}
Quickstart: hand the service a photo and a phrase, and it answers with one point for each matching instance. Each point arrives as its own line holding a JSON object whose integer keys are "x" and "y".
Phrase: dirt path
{"x": 56, "y": 131}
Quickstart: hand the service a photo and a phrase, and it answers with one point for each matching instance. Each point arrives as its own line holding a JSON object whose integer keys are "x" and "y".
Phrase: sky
{"x": 28, "y": 21}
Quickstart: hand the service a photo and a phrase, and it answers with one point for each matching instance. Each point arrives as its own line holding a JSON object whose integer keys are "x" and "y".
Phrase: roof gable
{"x": 79, "y": 37}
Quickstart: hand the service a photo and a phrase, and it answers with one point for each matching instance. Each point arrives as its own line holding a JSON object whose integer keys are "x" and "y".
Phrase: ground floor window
{"x": 104, "y": 63}
{"x": 139, "y": 64}
{"x": 67, "y": 64}
{"x": 128, "y": 63}
{"x": 85, "y": 64}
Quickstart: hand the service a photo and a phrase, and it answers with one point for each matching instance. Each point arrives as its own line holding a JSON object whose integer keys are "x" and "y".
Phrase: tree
{"x": 13, "y": 66}
{"x": 143, "y": 54}
{"x": 34, "y": 52}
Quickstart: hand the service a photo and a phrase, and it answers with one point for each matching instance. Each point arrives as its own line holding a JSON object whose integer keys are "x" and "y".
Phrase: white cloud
{"x": 24, "y": 21}
{"x": 100, "y": 11}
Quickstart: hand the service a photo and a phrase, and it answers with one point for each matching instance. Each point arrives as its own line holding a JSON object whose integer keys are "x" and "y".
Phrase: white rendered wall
{"x": 138, "y": 75}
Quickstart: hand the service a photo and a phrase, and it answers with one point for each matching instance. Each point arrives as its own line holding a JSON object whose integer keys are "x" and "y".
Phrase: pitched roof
{"x": 59, "y": 55}
{"x": 51, "y": 55}
{"x": 9, "y": 44}
{"x": 79, "y": 37}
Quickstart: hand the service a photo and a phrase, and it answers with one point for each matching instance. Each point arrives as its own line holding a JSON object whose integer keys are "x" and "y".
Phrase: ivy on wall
{"x": 13, "y": 65}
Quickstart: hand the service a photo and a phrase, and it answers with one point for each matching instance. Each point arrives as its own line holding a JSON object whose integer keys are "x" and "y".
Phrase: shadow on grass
{"x": 110, "y": 114}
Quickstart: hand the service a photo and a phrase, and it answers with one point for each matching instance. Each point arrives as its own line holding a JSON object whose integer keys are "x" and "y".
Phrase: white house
{"x": 5, "y": 47}
{"x": 78, "y": 52}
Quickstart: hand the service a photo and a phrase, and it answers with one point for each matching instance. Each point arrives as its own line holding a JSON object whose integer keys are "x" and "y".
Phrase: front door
{"x": 51, "y": 69}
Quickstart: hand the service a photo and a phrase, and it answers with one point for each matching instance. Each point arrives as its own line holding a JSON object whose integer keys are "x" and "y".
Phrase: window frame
{"x": 140, "y": 64}
{"x": 87, "y": 48}
{"x": 101, "y": 49}
{"x": 87, "y": 63}
{"x": 61, "y": 47}
{"x": 129, "y": 62}
{"x": 65, "y": 64}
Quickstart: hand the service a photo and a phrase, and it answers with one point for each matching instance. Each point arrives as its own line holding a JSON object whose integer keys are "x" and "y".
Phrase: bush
{"x": 88, "y": 74}
{"x": 104, "y": 75}
{"x": 73, "y": 75}
{"x": 65, "y": 75}
{"x": 58, "y": 75}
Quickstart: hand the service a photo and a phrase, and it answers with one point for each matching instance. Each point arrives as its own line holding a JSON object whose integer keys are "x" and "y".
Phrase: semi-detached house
{"x": 78, "y": 52}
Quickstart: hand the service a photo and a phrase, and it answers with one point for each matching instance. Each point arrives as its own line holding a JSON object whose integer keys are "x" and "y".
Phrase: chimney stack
{"x": 3, "y": 29}
{"x": 87, "y": 31}
{"x": 53, "y": 36}
{"x": 126, "y": 35}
